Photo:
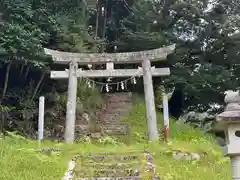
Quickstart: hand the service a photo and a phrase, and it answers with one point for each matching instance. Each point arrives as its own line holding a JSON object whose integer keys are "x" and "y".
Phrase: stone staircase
{"x": 117, "y": 106}
{"x": 112, "y": 166}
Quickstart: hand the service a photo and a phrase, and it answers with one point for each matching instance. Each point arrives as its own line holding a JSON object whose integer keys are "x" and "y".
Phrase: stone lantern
{"x": 229, "y": 122}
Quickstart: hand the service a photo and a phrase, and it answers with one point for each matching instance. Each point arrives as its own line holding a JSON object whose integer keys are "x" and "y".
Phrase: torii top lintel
{"x": 102, "y": 58}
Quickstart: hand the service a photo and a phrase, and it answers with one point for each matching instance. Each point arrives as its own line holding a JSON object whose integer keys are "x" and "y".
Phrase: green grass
{"x": 20, "y": 161}
{"x": 184, "y": 138}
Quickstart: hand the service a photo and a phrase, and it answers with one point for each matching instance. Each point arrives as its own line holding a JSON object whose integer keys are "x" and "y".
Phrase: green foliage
{"x": 205, "y": 62}
{"x": 19, "y": 117}
{"x": 89, "y": 101}
{"x": 90, "y": 97}
{"x": 203, "y": 121}
{"x": 139, "y": 130}
{"x": 108, "y": 140}
{"x": 21, "y": 38}
{"x": 26, "y": 27}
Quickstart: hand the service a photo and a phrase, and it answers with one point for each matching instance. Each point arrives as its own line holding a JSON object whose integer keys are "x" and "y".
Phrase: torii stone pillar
{"x": 71, "y": 103}
{"x": 149, "y": 100}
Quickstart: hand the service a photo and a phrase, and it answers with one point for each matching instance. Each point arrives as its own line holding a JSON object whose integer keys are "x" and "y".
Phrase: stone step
{"x": 120, "y": 100}
{"x": 111, "y": 127}
{"x": 112, "y": 132}
{"x": 99, "y": 157}
{"x": 112, "y": 117}
{"x": 118, "y": 94}
{"x": 122, "y": 112}
{"x": 111, "y": 178}
{"x": 120, "y": 109}
{"x": 115, "y": 129}
{"x": 107, "y": 173}
{"x": 118, "y": 106}
{"x": 123, "y": 98}
{"x": 114, "y": 126}
{"x": 112, "y": 121}
{"x": 114, "y": 166}
{"x": 82, "y": 126}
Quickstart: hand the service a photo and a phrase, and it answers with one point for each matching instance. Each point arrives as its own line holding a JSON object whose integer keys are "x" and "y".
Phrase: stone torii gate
{"x": 143, "y": 57}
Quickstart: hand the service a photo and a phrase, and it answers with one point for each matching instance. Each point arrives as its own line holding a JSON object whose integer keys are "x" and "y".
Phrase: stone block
{"x": 114, "y": 129}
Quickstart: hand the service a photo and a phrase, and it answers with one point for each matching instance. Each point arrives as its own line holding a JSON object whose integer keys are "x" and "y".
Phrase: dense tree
{"x": 204, "y": 65}
{"x": 26, "y": 27}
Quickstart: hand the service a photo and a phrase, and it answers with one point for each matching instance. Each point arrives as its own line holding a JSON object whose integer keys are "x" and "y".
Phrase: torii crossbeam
{"x": 103, "y": 58}
{"x": 110, "y": 73}
{"x": 144, "y": 57}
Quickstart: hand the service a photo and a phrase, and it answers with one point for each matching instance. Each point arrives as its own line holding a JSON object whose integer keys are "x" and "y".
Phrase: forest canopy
{"x": 205, "y": 64}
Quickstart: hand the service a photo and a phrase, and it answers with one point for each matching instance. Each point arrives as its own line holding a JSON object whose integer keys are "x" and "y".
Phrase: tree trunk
{"x": 40, "y": 89}
{"x": 21, "y": 71}
{"x": 27, "y": 71}
{"x": 2, "y": 120}
{"x": 6, "y": 82}
{"x": 97, "y": 19}
{"x": 104, "y": 26}
{"x": 38, "y": 85}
